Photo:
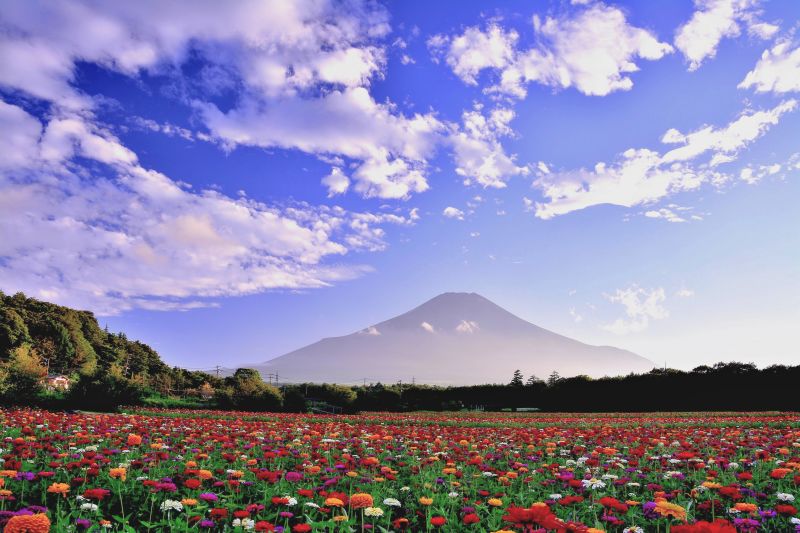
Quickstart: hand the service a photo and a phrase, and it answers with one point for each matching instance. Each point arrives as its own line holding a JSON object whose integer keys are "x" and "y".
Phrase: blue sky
{"x": 230, "y": 183}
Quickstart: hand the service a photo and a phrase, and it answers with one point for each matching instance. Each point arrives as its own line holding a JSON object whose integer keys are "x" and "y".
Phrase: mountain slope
{"x": 454, "y": 338}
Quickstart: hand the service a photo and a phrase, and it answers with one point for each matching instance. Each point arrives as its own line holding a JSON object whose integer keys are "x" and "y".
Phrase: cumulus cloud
{"x": 427, "y": 327}
{"x": 642, "y": 176}
{"x": 337, "y": 182}
{"x": 478, "y": 154}
{"x": 475, "y": 50}
{"x": 467, "y": 326}
{"x": 301, "y": 71}
{"x": 453, "y": 212}
{"x": 594, "y": 50}
{"x": 753, "y": 174}
{"x": 371, "y": 331}
{"x": 777, "y": 71}
{"x": 85, "y": 224}
{"x": 715, "y": 20}
{"x": 641, "y": 306}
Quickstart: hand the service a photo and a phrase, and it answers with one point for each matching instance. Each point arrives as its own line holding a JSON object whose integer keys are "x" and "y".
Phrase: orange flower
{"x": 35, "y": 523}
{"x": 58, "y": 488}
{"x": 665, "y": 508}
{"x": 746, "y": 507}
{"x": 204, "y": 474}
{"x": 495, "y": 502}
{"x": 118, "y": 473}
{"x": 333, "y": 502}
{"x": 134, "y": 439}
{"x": 425, "y": 501}
{"x": 361, "y": 500}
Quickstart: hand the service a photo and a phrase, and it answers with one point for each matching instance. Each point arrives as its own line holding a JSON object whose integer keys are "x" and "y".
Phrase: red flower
{"x": 192, "y": 483}
{"x": 470, "y": 518}
{"x": 786, "y": 509}
{"x": 718, "y": 526}
{"x": 95, "y": 494}
{"x": 438, "y": 521}
{"x": 218, "y": 514}
{"x": 263, "y": 525}
{"x": 301, "y": 528}
{"x": 539, "y": 515}
{"x": 613, "y": 504}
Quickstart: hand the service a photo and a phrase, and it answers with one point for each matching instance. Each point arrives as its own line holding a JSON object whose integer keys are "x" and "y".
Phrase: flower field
{"x": 226, "y": 471}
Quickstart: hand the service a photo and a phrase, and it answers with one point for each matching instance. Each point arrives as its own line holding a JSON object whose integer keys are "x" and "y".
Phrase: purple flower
{"x": 293, "y": 476}
{"x": 208, "y": 497}
{"x": 82, "y": 523}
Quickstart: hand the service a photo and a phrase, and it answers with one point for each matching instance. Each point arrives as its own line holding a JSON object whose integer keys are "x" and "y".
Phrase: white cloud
{"x": 467, "y": 326}
{"x": 474, "y": 50}
{"x": 684, "y": 293}
{"x": 301, "y": 70}
{"x": 427, "y": 327}
{"x": 453, "y": 212}
{"x": 478, "y": 154}
{"x": 337, "y": 182}
{"x": 371, "y": 331}
{"x": 391, "y": 149}
{"x": 642, "y": 176}
{"x": 577, "y": 317}
{"x": 715, "y": 20}
{"x": 111, "y": 235}
{"x": 777, "y": 71}
{"x": 666, "y": 213}
{"x": 753, "y": 174}
{"x": 593, "y": 50}
{"x": 641, "y": 306}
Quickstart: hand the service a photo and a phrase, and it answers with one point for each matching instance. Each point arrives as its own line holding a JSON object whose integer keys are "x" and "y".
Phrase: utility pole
{"x": 217, "y": 371}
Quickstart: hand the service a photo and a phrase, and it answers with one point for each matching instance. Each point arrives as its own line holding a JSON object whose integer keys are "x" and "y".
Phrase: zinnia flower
{"x": 361, "y": 500}
{"x": 36, "y": 523}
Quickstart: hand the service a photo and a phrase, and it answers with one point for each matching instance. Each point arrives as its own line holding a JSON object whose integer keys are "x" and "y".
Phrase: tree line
{"x": 107, "y": 369}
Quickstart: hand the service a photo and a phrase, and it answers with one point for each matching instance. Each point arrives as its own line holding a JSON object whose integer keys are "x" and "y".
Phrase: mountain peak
{"x": 457, "y": 338}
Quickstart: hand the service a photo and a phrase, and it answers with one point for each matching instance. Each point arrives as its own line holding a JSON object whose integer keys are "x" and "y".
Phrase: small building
{"x": 57, "y": 382}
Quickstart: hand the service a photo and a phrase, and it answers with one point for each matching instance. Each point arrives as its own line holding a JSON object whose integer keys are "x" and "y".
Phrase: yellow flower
{"x": 495, "y": 502}
{"x": 424, "y": 500}
{"x": 351, "y": 474}
{"x": 340, "y": 518}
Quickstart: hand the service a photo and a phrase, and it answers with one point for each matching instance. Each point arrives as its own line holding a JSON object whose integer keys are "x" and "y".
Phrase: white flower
{"x": 489, "y": 474}
{"x": 633, "y": 529}
{"x": 593, "y": 484}
{"x": 91, "y": 507}
{"x": 290, "y": 501}
{"x": 391, "y": 502}
{"x": 794, "y": 520}
{"x": 405, "y": 489}
{"x": 733, "y": 466}
{"x": 555, "y": 496}
{"x": 376, "y": 512}
{"x": 453, "y": 495}
{"x": 784, "y": 497}
{"x": 311, "y": 504}
{"x": 245, "y": 523}
{"x": 171, "y": 505}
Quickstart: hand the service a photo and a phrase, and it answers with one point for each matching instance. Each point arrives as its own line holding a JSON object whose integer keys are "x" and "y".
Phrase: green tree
{"x": 516, "y": 381}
